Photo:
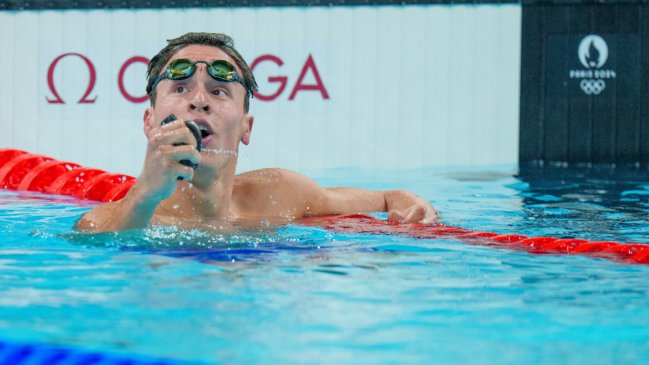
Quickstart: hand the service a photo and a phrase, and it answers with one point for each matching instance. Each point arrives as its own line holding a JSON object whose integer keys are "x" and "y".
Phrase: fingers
{"x": 413, "y": 214}
{"x": 174, "y": 133}
{"x": 432, "y": 216}
{"x": 171, "y": 153}
{"x": 183, "y": 172}
{"x": 395, "y": 216}
{"x": 406, "y": 207}
{"x": 171, "y": 145}
{"x": 180, "y": 154}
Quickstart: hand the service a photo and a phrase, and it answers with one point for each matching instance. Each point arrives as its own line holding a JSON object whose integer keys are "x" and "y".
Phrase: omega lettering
{"x": 309, "y": 67}
{"x": 120, "y": 80}
{"x": 271, "y": 79}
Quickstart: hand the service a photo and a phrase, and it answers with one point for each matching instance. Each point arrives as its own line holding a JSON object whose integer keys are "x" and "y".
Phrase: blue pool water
{"x": 306, "y": 295}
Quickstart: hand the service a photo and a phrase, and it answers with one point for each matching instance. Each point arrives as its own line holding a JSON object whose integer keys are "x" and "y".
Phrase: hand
{"x": 167, "y": 146}
{"x": 405, "y": 207}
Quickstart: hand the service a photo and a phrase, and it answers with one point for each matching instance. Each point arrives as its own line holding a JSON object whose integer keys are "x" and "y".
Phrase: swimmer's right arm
{"x": 167, "y": 146}
{"x": 128, "y": 213}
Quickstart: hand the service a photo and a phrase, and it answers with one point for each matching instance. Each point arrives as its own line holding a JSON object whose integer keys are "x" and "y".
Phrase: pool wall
{"x": 394, "y": 86}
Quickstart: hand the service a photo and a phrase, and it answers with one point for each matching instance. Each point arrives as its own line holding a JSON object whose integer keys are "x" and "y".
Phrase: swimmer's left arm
{"x": 306, "y": 198}
{"x": 402, "y": 206}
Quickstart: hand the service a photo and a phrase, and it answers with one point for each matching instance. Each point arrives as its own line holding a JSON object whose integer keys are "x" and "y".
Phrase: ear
{"x": 147, "y": 118}
{"x": 247, "y": 128}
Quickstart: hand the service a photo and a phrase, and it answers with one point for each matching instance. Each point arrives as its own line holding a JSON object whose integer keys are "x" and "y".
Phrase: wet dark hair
{"x": 218, "y": 40}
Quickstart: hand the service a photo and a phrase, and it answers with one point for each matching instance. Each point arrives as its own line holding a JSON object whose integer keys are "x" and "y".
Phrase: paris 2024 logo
{"x": 593, "y": 54}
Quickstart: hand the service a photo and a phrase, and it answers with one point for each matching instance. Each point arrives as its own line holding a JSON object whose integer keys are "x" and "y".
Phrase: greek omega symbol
{"x": 91, "y": 85}
{"x": 593, "y": 54}
{"x": 85, "y": 99}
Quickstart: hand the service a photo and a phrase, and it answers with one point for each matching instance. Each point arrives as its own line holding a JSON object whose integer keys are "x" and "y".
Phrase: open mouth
{"x": 204, "y": 132}
{"x": 204, "y": 128}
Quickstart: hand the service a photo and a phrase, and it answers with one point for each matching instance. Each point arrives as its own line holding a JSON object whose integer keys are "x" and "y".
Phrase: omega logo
{"x": 87, "y": 98}
{"x": 91, "y": 85}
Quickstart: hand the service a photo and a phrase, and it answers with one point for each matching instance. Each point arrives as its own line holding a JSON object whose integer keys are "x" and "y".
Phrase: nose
{"x": 199, "y": 100}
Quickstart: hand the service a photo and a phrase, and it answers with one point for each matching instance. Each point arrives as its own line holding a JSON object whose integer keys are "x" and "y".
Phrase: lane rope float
{"x": 632, "y": 253}
{"x": 20, "y": 170}
{"x": 23, "y": 171}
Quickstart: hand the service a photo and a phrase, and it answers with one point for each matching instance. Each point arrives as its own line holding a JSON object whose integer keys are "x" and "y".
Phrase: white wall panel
{"x": 408, "y": 86}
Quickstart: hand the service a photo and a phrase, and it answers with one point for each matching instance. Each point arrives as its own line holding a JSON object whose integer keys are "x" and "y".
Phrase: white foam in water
{"x": 220, "y": 151}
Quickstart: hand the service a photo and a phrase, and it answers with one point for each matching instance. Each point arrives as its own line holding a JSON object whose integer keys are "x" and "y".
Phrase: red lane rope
{"x": 633, "y": 253}
{"x": 20, "y": 170}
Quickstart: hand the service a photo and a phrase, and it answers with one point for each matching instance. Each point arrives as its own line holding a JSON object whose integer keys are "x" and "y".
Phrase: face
{"x": 216, "y": 106}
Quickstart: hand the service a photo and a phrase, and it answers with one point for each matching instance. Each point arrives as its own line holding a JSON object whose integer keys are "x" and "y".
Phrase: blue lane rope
{"x": 40, "y": 354}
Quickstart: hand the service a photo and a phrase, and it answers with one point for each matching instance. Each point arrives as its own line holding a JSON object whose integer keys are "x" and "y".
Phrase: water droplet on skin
{"x": 220, "y": 151}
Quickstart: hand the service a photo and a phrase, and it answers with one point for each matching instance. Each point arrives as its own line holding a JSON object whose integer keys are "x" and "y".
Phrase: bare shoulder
{"x": 269, "y": 177}
{"x": 96, "y": 217}
{"x": 275, "y": 191}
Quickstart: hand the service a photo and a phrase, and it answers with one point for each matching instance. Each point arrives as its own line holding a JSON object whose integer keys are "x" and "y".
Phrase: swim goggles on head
{"x": 181, "y": 68}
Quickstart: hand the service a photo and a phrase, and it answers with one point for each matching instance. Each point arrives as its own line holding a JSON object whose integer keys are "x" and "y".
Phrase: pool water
{"x": 299, "y": 294}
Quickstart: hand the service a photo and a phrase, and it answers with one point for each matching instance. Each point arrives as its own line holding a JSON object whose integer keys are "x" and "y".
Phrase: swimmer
{"x": 200, "y": 77}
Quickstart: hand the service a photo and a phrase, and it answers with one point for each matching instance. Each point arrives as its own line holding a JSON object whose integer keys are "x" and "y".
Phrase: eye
{"x": 179, "y": 89}
{"x": 219, "y": 92}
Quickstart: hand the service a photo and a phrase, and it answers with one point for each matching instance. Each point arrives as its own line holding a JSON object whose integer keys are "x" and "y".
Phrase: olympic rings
{"x": 592, "y": 87}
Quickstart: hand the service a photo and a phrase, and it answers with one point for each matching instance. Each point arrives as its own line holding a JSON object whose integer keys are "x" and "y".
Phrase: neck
{"x": 207, "y": 196}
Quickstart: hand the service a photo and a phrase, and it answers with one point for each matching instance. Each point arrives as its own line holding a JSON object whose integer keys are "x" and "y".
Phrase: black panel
{"x": 556, "y": 108}
{"x": 580, "y": 128}
{"x": 531, "y": 117}
{"x": 644, "y": 96}
{"x": 628, "y": 125}
{"x": 594, "y": 105}
{"x": 603, "y": 110}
